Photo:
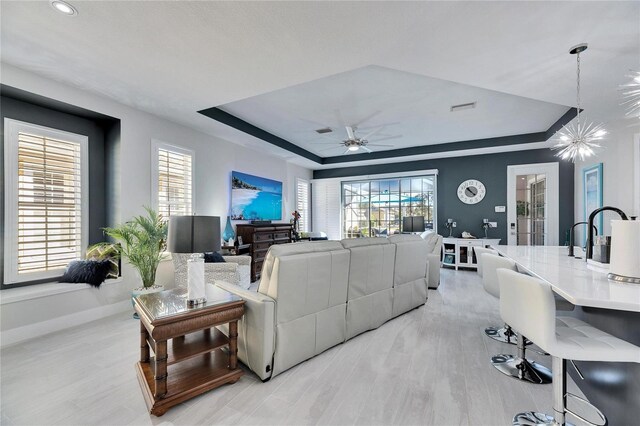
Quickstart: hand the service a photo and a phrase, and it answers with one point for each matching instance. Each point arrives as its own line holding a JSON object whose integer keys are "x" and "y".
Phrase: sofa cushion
{"x": 361, "y": 242}
{"x": 282, "y": 250}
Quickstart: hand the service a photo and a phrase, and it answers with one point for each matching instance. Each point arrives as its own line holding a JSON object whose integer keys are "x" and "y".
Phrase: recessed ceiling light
{"x": 63, "y": 7}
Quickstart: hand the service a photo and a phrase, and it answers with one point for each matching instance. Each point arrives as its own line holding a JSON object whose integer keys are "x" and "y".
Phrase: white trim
{"x": 552, "y": 170}
{"x": 20, "y": 294}
{"x": 381, "y": 176}
{"x": 31, "y": 331}
{"x": 307, "y": 220}
{"x": 11, "y": 130}
{"x": 636, "y": 174}
{"x": 156, "y": 144}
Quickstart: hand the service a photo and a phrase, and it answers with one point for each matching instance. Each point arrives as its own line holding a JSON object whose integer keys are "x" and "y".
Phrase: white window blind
{"x": 174, "y": 181}
{"x": 46, "y": 189}
{"x": 302, "y": 204}
{"x": 326, "y": 208}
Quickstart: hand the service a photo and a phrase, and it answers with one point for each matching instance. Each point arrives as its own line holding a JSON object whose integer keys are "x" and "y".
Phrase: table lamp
{"x": 413, "y": 224}
{"x": 194, "y": 234}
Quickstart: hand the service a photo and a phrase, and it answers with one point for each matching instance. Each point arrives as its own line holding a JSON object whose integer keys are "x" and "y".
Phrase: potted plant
{"x": 143, "y": 240}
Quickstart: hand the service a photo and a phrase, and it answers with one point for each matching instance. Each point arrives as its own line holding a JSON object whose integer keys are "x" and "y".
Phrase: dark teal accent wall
{"x": 490, "y": 169}
{"x": 103, "y": 135}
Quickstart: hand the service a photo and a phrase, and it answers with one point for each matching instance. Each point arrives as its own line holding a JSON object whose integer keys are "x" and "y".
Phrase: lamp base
{"x": 195, "y": 302}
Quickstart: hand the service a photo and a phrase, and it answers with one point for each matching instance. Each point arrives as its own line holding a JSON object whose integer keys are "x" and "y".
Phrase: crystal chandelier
{"x": 578, "y": 139}
{"x": 631, "y": 95}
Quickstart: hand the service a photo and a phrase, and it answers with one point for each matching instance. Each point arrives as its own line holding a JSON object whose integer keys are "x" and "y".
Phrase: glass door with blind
{"x": 533, "y": 204}
{"x": 531, "y": 210}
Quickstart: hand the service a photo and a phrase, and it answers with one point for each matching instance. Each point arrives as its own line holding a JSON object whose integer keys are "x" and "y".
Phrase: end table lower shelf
{"x": 191, "y": 356}
{"x": 186, "y": 379}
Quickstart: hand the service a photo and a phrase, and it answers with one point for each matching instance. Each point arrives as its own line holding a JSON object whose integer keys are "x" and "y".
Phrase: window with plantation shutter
{"x": 46, "y": 200}
{"x": 302, "y": 204}
{"x": 173, "y": 180}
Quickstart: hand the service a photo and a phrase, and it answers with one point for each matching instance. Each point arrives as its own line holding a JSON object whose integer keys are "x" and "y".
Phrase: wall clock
{"x": 471, "y": 191}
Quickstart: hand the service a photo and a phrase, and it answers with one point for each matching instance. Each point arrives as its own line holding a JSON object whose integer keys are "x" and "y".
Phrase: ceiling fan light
{"x": 354, "y": 148}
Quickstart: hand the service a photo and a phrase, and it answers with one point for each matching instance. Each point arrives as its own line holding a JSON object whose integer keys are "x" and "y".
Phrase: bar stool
{"x": 479, "y": 252}
{"x": 489, "y": 257}
{"x": 516, "y": 366}
{"x": 527, "y": 303}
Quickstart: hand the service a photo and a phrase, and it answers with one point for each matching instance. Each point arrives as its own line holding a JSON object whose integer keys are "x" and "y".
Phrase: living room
{"x": 440, "y": 92}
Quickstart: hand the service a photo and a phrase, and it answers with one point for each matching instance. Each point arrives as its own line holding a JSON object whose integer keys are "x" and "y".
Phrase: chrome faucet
{"x": 572, "y": 235}
{"x": 592, "y": 216}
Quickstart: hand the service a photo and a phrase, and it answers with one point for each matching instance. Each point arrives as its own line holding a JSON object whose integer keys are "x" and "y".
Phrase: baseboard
{"x": 31, "y": 331}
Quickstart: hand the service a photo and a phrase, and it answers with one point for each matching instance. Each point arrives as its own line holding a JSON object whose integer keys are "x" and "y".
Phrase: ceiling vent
{"x": 460, "y": 107}
{"x": 323, "y": 131}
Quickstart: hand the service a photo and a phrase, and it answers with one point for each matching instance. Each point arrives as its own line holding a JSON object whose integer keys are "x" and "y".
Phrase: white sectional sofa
{"x": 434, "y": 247}
{"x": 316, "y": 295}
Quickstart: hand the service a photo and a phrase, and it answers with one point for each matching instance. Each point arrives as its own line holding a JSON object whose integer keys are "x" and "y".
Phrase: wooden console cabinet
{"x": 261, "y": 237}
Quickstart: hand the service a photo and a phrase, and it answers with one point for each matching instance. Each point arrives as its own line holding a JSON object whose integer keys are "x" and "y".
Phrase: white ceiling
{"x": 175, "y": 58}
{"x": 413, "y": 110}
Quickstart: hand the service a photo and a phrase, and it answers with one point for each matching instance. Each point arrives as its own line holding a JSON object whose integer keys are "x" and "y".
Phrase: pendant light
{"x": 578, "y": 138}
{"x": 631, "y": 95}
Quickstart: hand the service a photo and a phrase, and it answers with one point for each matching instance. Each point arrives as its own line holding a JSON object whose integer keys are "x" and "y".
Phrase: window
{"x": 302, "y": 204}
{"x": 173, "y": 180}
{"x": 46, "y": 200}
{"x": 375, "y": 208}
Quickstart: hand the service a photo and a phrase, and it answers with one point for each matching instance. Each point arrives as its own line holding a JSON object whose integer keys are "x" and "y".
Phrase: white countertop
{"x": 570, "y": 278}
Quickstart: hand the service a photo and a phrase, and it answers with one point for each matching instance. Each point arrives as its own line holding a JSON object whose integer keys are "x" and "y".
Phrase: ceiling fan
{"x": 354, "y": 143}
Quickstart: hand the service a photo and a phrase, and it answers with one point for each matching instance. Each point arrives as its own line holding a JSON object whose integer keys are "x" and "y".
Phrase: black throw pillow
{"x": 213, "y": 257}
{"x": 92, "y": 272}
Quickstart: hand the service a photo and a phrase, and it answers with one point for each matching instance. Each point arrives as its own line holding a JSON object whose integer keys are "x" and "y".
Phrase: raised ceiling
{"x": 401, "y": 109}
{"x": 173, "y": 59}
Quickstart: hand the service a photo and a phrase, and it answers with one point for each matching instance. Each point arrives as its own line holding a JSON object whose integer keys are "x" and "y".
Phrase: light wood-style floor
{"x": 427, "y": 367}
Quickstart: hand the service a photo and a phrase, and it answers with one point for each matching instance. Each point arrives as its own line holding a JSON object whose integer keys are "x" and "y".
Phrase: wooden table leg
{"x": 160, "y": 369}
{"x": 233, "y": 345}
{"x": 144, "y": 347}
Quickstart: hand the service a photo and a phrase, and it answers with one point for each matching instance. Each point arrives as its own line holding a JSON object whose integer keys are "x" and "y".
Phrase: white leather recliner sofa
{"x": 434, "y": 247}
{"x": 316, "y": 295}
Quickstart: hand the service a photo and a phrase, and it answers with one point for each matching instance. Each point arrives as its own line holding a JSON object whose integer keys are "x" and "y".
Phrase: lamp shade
{"x": 193, "y": 234}
{"x": 413, "y": 224}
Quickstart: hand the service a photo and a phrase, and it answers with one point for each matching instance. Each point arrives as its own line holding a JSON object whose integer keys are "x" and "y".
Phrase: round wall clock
{"x": 471, "y": 191}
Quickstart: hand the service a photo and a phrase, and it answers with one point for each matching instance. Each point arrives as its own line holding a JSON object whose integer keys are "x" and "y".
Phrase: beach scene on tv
{"x": 255, "y": 198}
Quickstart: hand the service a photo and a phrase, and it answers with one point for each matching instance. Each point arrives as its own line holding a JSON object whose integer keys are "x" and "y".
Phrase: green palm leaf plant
{"x": 143, "y": 240}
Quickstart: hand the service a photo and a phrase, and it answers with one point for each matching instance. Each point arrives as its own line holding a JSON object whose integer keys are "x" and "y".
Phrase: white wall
{"x": 620, "y": 184}
{"x": 215, "y": 159}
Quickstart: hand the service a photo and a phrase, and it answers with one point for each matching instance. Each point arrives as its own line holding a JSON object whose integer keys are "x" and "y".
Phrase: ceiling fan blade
{"x": 367, "y": 118}
{"x": 375, "y": 144}
{"x": 366, "y": 149}
{"x": 386, "y": 138}
{"x": 371, "y": 133}
{"x": 350, "y": 134}
{"x": 346, "y": 152}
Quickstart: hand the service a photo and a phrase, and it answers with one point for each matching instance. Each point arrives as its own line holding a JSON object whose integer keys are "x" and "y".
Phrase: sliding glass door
{"x": 375, "y": 208}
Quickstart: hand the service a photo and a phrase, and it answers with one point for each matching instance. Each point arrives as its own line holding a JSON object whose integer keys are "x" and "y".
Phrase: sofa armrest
{"x": 256, "y": 330}
{"x": 433, "y": 277}
{"x": 221, "y": 271}
{"x": 240, "y": 260}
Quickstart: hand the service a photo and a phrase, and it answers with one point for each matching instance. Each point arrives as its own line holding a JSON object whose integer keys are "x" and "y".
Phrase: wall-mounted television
{"x": 255, "y": 198}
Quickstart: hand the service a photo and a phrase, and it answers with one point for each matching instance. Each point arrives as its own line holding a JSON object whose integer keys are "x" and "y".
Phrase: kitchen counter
{"x": 570, "y": 278}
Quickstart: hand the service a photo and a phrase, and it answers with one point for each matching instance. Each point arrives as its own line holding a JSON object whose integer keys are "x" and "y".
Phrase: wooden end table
{"x": 187, "y": 347}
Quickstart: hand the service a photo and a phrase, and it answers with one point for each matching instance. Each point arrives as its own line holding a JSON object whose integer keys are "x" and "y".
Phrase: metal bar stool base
{"x": 532, "y": 418}
{"x": 502, "y": 335}
{"x": 522, "y": 369}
